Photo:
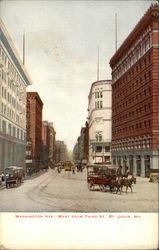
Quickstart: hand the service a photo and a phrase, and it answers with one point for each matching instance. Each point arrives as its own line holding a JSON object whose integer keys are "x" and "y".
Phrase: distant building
{"x": 83, "y": 145}
{"x": 35, "y": 106}
{"x": 75, "y": 153}
{"x": 46, "y": 143}
{"x": 135, "y": 102}
{"x": 14, "y": 79}
{"x": 61, "y": 151}
{"x": 52, "y": 146}
{"x": 49, "y": 147}
{"x": 99, "y": 116}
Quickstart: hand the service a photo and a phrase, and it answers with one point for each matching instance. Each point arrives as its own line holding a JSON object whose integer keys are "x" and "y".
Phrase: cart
{"x": 100, "y": 176}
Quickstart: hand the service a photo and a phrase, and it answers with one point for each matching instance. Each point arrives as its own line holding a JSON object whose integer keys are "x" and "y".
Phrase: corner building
{"x": 135, "y": 94}
{"x": 13, "y": 82}
{"x": 99, "y": 116}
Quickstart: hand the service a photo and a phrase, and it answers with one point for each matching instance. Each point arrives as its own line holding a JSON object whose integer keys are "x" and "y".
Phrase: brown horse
{"x": 116, "y": 184}
{"x": 128, "y": 183}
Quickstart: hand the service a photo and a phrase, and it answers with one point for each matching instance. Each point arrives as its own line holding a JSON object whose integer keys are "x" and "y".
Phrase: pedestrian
{"x": 119, "y": 171}
{"x": 2, "y": 176}
{"x": 127, "y": 171}
{"x": 73, "y": 169}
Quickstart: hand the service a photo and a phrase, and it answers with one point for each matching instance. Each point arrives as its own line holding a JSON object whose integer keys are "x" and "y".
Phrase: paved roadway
{"x": 65, "y": 192}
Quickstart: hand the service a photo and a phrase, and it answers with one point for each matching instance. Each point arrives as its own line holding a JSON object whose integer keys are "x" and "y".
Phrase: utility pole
{"x": 116, "y": 38}
{"x": 98, "y": 64}
{"x": 24, "y": 48}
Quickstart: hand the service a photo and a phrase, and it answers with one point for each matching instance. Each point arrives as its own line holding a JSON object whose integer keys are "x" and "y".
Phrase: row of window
{"x": 133, "y": 144}
{"x": 13, "y": 87}
{"x": 98, "y": 137}
{"x": 99, "y": 94}
{"x": 10, "y": 113}
{"x": 131, "y": 59}
{"x": 132, "y": 100}
{"x": 139, "y": 111}
{"x": 7, "y": 96}
{"x": 13, "y": 131}
{"x": 11, "y": 69}
{"x": 135, "y": 127}
{"x": 100, "y": 149}
{"x": 99, "y": 105}
{"x": 132, "y": 87}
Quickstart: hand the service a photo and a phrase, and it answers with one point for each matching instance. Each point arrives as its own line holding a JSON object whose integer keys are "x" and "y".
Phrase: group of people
{"x": 120, "y": 174}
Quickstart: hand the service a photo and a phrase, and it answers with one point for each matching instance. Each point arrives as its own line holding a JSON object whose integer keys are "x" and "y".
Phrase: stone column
{"x": 142, "y": 166}
{"x": 122, "y": 164}
{"x": 134, "y": 165}
{"x": 128, "y": 161}
{"x": 122, "y": 161}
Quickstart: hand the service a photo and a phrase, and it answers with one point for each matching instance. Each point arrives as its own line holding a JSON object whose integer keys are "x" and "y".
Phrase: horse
{"x": 116, "y": 184}
{"x": 127, "y": 182}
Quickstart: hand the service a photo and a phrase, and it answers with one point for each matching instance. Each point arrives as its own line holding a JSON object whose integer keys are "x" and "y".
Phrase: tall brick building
{"x": 135, "y": 93}
{"x": 35, "y": 125}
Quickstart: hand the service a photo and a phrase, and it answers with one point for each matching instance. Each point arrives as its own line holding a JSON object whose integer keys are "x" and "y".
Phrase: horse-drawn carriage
{"x": 100, "y": 176}
{"x": 106, "y": 176}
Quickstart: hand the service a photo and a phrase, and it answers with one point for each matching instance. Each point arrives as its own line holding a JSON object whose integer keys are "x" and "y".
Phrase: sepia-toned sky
{"x": 61, "y": 51}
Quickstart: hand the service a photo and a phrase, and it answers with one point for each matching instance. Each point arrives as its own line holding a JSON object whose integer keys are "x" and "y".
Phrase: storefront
{"x": 147, "y": 165}
{"x": 138, "y": 163}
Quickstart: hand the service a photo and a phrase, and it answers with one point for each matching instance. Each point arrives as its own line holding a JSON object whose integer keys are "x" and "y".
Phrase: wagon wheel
{"x": 89, "y": 185}
{"x": 102, "y": 188}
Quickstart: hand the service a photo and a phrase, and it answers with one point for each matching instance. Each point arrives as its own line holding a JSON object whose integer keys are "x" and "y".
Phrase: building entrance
{"x": 138, "y": 167}
{"x": 131, "y": 164}
{"x": 147, "y": 168}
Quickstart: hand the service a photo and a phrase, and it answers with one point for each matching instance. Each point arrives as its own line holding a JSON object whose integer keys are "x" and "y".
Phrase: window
{"x": 98, "y": 149}
{"x": 14, "y": 131}
{"x": 100, "y": 137}
{"x": 21, "y": 134}
{"x": 4, "y": 126}
{"x": 17, "y": 133}
{"x": 96, "y": 137}
{"x": 9, "y": 129}
{"x": 101, "y": 104}
{"x": 107, "y": 148}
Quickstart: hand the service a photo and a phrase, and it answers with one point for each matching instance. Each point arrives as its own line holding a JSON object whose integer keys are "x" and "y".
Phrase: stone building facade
{"x": 135, "y": 93}
{"x": 49, "y": 147}
{"x": 14, "y": 79}
{"x": 61, "y": 152}
{"x": 83, "y": 145}
{"x": 99, "y": 117}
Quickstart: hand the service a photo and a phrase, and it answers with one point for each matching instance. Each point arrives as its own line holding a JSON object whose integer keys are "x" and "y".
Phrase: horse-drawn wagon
{"x": 107, "y": 176}
{"x": 100, "y": 176}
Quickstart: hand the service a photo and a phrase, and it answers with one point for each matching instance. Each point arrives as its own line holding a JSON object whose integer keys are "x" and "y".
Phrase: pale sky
{"x": 61, "y": 51}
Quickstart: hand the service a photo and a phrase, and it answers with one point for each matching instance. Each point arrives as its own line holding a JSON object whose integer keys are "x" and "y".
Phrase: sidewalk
{"x": 34, "y": 175}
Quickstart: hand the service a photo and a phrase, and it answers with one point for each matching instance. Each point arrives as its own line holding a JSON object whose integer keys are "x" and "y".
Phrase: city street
{"x": 65, "y": 192}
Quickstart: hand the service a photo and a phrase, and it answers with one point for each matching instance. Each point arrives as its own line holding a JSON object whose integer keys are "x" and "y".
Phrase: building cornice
{"x": 152, "y": 11}
{"x": 101, "y": 82}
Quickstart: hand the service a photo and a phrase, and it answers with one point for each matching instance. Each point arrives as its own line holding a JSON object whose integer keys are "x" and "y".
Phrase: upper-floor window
{"x": 107, "y": 148}
{"x": 9, "y": 129}
{"x": 101, "y": 104}
{"x": 4, "y": 126}
{"x": 98, "y": 149}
